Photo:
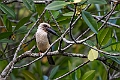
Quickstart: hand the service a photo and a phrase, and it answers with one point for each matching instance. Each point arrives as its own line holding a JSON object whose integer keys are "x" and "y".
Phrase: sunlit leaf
{"x": 90, "y": 21}
{"x": 89, "y": 75}
{"x": 77, "y": 1}
{"x": 93, "y": 54}
{"x": 7, "y": 10}
{"x": 104, "y": 36}
{"x": 68, "y": 14}
{"x": 56, "y": 5}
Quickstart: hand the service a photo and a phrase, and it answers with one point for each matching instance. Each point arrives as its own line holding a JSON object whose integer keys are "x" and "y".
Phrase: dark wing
{"x": 50, "y": 59}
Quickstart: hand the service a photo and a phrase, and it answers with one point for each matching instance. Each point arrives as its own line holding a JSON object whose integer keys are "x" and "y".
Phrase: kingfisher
{"x": 43, "y": 40}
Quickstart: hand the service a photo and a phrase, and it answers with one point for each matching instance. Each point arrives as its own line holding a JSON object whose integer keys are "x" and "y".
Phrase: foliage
{"x": 92, "y": 37}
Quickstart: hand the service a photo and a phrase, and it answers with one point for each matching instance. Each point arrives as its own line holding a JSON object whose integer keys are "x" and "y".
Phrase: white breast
{"x": 42, "y": 40}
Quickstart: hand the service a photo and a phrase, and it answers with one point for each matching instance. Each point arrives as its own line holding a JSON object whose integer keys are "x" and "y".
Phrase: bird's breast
{"x": 42, "y": 41}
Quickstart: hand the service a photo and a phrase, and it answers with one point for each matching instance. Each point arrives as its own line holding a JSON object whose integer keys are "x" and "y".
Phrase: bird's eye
{"x": 45, "y": 25}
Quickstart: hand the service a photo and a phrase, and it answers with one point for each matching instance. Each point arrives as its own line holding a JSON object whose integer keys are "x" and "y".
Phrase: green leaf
{"x": 56, "y": 5}
{"x": 38, "y": 69}
{"x": 74, "y": 76}
{"x": 53, "y": 72}
{"x": 97, "y": 2}
{"x": 4, "y": 19}
{"x": 22, "y": 22}
{"x": 68, "y": 14}
{"x": 5, "y": 35}
{"x": 8, "y": 25}
{"x": 55, "y": 14}
{"x": 78, "y": 73}
{"x": 3, "y": 64}
{"x": 114, "y": 44}
{"x": 104, "y": 36}
{"x": 113, "y": 58}
{"x": 28, "y": 75}
{"x": 22, "y": 30}
{"x": 40, "y": 8}
{"x": 33, "y": 19}
{"x": 90, "y": 21}
{"x": 2, "y": 53}
{"x": 89, "y": 75}
{"x": 6, "y": 41}
{"x": 30, "y": 5}
{"x": 118, "y": 47}
{"x": 69, "y": 65}
{"x": 109, "y": 43}
{"x": 7, "y": 10}
{"x": 91, "y": 43}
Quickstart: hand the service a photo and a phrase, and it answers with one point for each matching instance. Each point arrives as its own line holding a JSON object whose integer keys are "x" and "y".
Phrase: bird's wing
{"x": 50, "y": 59}
{"x": 49, "y": 40}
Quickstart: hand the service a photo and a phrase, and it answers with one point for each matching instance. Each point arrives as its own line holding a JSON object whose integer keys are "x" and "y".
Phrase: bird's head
{"x": 47, "y": 28}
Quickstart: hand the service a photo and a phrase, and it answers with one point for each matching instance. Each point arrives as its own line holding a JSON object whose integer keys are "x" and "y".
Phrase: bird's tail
{"x": 50, "y": 60}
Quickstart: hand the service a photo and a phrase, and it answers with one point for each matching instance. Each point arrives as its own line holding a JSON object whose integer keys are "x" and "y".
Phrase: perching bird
{"x": 43, "y": 42}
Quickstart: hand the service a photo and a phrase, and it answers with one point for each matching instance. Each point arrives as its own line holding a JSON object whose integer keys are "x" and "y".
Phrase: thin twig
{"x": 114, "y": 25}
{"x": 72, "y": 19}
{"x": 55, "y": 21}
{"x": 9, "y": 67}
{"x": 72, "y": 70}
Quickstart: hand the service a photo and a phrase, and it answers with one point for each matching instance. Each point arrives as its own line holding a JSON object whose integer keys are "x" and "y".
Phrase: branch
{"x": 117, "y": 75}
{"x": 70, "y": 24}
{"x": 9, "y": 67}
{"x": 83, "y": 42}
{"x": 72, "y": 70}
{"x": 117, "y": 26}
{"x": 20, "y": 1}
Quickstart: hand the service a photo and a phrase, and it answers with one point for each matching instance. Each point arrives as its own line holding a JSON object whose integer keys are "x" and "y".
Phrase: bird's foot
{"x": 39, "y": 53}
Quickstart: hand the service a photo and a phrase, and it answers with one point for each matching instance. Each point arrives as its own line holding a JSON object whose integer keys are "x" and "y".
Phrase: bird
{"x": 42, "y": 39}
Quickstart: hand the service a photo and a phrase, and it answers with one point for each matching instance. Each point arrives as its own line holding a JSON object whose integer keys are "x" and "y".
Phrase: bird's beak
{"x": 49, "y": 29}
